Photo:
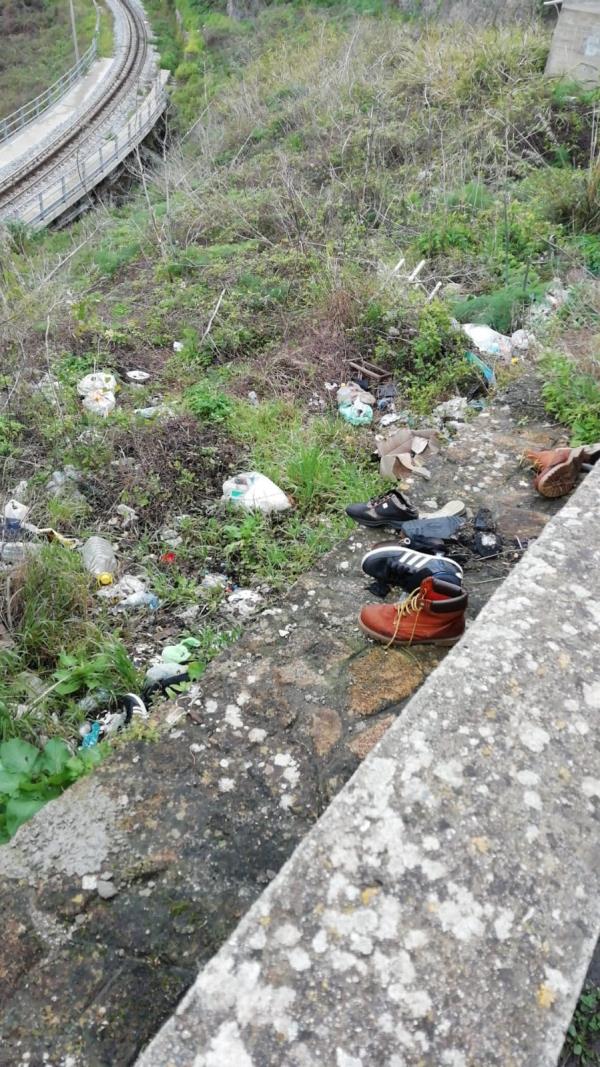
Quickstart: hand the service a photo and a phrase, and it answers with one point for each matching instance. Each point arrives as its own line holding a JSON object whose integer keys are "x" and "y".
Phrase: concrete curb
{"x": 444, "y": 909}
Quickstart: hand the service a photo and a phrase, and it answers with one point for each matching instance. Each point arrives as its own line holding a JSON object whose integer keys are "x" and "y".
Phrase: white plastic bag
{"x": 255, "y": 492}
{"x": 489, "y": 341}
{"x": 100, "y": 402}
{"x": 101, "y": 381}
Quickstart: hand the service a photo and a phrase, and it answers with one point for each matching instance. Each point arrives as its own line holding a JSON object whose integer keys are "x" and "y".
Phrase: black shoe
{"x": 393, "y": 564}
{"x": 390, "y": 510}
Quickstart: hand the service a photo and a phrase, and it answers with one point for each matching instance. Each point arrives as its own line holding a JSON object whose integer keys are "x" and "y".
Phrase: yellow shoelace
{"x": 415, "y": 602}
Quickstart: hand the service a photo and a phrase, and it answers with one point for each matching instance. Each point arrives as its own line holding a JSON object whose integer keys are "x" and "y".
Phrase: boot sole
{"x": 443, "y": 641}
{"x": 559, "y": 480}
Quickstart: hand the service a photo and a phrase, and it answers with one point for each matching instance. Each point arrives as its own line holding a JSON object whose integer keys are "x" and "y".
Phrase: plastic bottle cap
{"x": 105, "y": 578}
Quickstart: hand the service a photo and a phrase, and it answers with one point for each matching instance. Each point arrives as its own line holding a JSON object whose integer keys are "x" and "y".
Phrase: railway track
{"x": 40, "y": 169}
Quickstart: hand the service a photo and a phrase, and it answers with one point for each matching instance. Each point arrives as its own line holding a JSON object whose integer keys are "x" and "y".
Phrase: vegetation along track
{"x": 39, "y": 168}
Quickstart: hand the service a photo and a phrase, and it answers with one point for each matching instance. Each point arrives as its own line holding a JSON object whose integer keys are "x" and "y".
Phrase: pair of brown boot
{"x": 559, "y": 468}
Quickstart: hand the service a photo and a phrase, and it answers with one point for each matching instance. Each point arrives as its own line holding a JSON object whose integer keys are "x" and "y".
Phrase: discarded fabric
{"x": 443, "y": 527}
{"x": 255, "y": 492}
{"x": 138, "y": 375}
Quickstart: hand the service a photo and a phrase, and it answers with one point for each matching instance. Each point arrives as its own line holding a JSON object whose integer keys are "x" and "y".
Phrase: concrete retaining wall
{"x": 444, "y": 909}
{"x": 575, "y": 52}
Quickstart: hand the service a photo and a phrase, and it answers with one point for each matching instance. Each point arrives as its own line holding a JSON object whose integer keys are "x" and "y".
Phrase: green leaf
{"x": 19, "y": 811}
{"x": 9, "y": 782}
{"x": 18, "y": 756}
{"x": 54, "y": 758}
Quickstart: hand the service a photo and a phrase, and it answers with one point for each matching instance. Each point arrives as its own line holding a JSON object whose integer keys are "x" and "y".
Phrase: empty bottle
{"x": 14, "y": 515}
{"x": 140, "y": 600}
{"x": 99, "y": 559}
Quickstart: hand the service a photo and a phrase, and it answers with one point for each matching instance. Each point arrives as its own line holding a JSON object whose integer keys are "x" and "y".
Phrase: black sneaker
{"x": 390, "y": 510}
{"x": 393, "y": 564}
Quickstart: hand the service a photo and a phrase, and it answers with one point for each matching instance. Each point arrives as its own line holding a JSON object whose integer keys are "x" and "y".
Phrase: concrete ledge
{"x": 444, "y": 909}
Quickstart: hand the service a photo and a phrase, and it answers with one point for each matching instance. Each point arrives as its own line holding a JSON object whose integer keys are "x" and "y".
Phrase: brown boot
{"x": 558, "y": 470}
{"x": 433, "y": 615}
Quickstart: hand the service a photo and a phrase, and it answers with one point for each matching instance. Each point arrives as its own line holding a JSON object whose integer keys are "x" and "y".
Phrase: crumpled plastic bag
{"x": 255, "y": 492}
{"x": 489, "y": 341}
{"x": 357, "y": 413}
{"x": 351, "y": 391}
{"x": 100, "y": 402}
{"x": 98, "y": 392}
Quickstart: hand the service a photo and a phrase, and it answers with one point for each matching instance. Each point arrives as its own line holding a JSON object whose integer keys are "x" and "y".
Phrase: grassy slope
{"x": 36, "y": 46}
{"x": 326, "y": 145}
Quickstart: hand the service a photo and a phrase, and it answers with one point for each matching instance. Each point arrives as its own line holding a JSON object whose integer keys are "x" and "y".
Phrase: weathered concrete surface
{"x": 445, "y": 908}
{"x": 190, "y": 829}
{"x": 575, "y": 51}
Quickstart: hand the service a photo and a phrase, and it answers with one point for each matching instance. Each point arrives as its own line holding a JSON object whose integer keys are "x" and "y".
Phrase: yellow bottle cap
{"x": 105, "y": 579}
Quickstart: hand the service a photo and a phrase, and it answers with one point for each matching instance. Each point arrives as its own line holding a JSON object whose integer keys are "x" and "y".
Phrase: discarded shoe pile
{"x": 434, "y": 611}
{"x": 558, "y": 469}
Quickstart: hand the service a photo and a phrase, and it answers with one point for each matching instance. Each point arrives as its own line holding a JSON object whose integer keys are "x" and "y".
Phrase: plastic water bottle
{"x": 14, "y": 515}
{"x": 140, "y": 600}
{"x": 99, "y": 559}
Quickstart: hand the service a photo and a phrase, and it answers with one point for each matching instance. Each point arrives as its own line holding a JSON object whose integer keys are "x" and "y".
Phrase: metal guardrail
{"x": 51, "y": 202}
{"x": 30, "y": 111}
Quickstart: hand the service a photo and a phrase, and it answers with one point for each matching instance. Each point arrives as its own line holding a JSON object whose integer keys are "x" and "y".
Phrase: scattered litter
{"x": 489, "y": 341}
{"x": 347, "y": 394}
{"x": 242, "y": 603}
{"x": 455, "y": 409}
{"x": 98, "y": 392}
{"x": 178, "y": 346}
{"x": 129, "y": 516}
{"x": 180, "y": 653}
{"x": 153, "y": 411}
{"x": 100, "y": 403}
{"x": 17, "y": 551}
{"x": 392, "y": 417}
{"x": 487, "y": 543}
{"x": 399, "y": 453}
{"x": 51, "y": 535}
{"x": 142, "y": 599}
{"x": 215, "y": 581}
{"x": 254, "y": 491}
{"x": 20, "y": 490}
{"x": 357, "y": 413}
{"x": 439, "y": 528}
{"x": 14, "y": 515}
{"x": 387, "y": 391}
{"x": 487, "y": 373}
{"x": 522, "y": 340}
{"x": 66, "y": 479}
{"x": 99, "y": 559}
{"x": 91, "y": 735}
{"x": 453, "y": 507}
{"x": 252, "y": 398}
{"x": 330, "y": 386}
{"x": 169, "y": 557}
{"x": 138, "y": 375}
{"x": 484, "y": 520}
{"x": 100, "y": 381}
{"x": 127, "y": 586}
{"x": 163, "y": 674}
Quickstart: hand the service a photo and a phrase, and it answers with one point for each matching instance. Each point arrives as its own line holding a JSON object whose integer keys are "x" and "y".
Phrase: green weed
{"x": 574, "y": 398}
{"x": 582, "y": 1045}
